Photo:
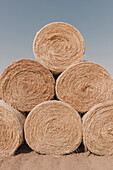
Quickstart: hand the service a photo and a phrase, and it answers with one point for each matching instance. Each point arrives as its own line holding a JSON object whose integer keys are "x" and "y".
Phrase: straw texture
{"x": 98, "y": 129}
{"x": 11, "y": 129}
{"x": 83, "y": 85}
{"x": 111, "y": 97}
{"x": 58, "y": 45}
{"x": 26, "y": 83}
{"x": 53, "y": 127}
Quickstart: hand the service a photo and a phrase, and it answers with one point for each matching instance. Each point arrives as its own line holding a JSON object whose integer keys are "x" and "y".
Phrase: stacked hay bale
{"x": 11, "y": 129}
{"x": 55, "y": 127}
{"x": 57, "y": 46}
{"x": 98, "y": 129}
{"x": 23, "y": 84}
{"x": 26, "y": 83}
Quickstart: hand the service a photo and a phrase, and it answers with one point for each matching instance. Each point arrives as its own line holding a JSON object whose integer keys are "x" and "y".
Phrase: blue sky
{"x": 21, "y": 19}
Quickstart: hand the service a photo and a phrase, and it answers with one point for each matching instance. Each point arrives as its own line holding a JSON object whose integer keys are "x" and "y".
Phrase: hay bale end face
{"x": 83, "y": 85}
{"x": 26, "y": 83}
{"x": 98, "y": 129}
{"x": 53, "y": 127}
{"x": 58, "y": 45}
{"x": 11, "y": 129}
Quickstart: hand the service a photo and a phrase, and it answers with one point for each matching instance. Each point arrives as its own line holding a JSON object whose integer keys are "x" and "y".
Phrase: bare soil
{"x": 26, "y": 159}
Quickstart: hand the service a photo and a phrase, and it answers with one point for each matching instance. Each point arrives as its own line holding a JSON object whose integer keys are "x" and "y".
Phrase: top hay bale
{"x": 58, "y": 45}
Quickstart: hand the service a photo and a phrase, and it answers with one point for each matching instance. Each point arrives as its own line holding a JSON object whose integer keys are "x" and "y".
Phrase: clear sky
{"x": 21, "y": 19}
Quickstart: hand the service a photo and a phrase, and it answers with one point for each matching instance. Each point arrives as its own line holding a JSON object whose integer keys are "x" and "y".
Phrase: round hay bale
{"x": 83, "y": 85}
{"x": 26, "y": 83}
{"x": 98, "y": 129}
{"x": 111, "y": 97}
{"x": 0, "y": 92}
{"x": 53, "y": 127}
{"x": 58, "y": 45}
{"x": 11, "y": 129}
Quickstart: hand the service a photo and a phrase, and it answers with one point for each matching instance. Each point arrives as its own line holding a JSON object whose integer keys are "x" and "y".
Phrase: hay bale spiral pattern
{"x": 53, "y": 127}
{"x": 26, "y": 83}
{"x": 57, "y": 46}
{"x": 98, "y": 129}
{"x": 83, "y": 85}
{"x": 11, "y": 129}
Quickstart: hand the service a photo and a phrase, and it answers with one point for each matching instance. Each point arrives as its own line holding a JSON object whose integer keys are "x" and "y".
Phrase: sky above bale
{"x": 20, "y": 20}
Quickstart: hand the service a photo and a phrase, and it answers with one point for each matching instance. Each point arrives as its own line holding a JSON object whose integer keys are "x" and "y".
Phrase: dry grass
{"x": 98, "y": 129}
{"x": 58, "y": 45}
{"x": 53, "y": 127}
{"x": 83, "y": 85}
{"x": 26, "y": 83}
{"x": 11, "y": 129}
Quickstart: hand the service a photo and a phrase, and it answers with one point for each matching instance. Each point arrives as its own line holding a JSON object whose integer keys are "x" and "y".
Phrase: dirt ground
{"x": 26, "y": 159}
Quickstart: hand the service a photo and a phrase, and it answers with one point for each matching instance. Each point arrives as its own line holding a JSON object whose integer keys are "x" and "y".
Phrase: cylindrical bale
{"x": 83, "y": 85}
{"x": 111, "y": 97}
{"x": 26, "y": 83}
{"x": 53, "y": 127}
{"x": 112, "y": 92}
{"x": 11, "y": 129}
{"x": 98, "y": 129}
{"x": 58, "y": 45}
